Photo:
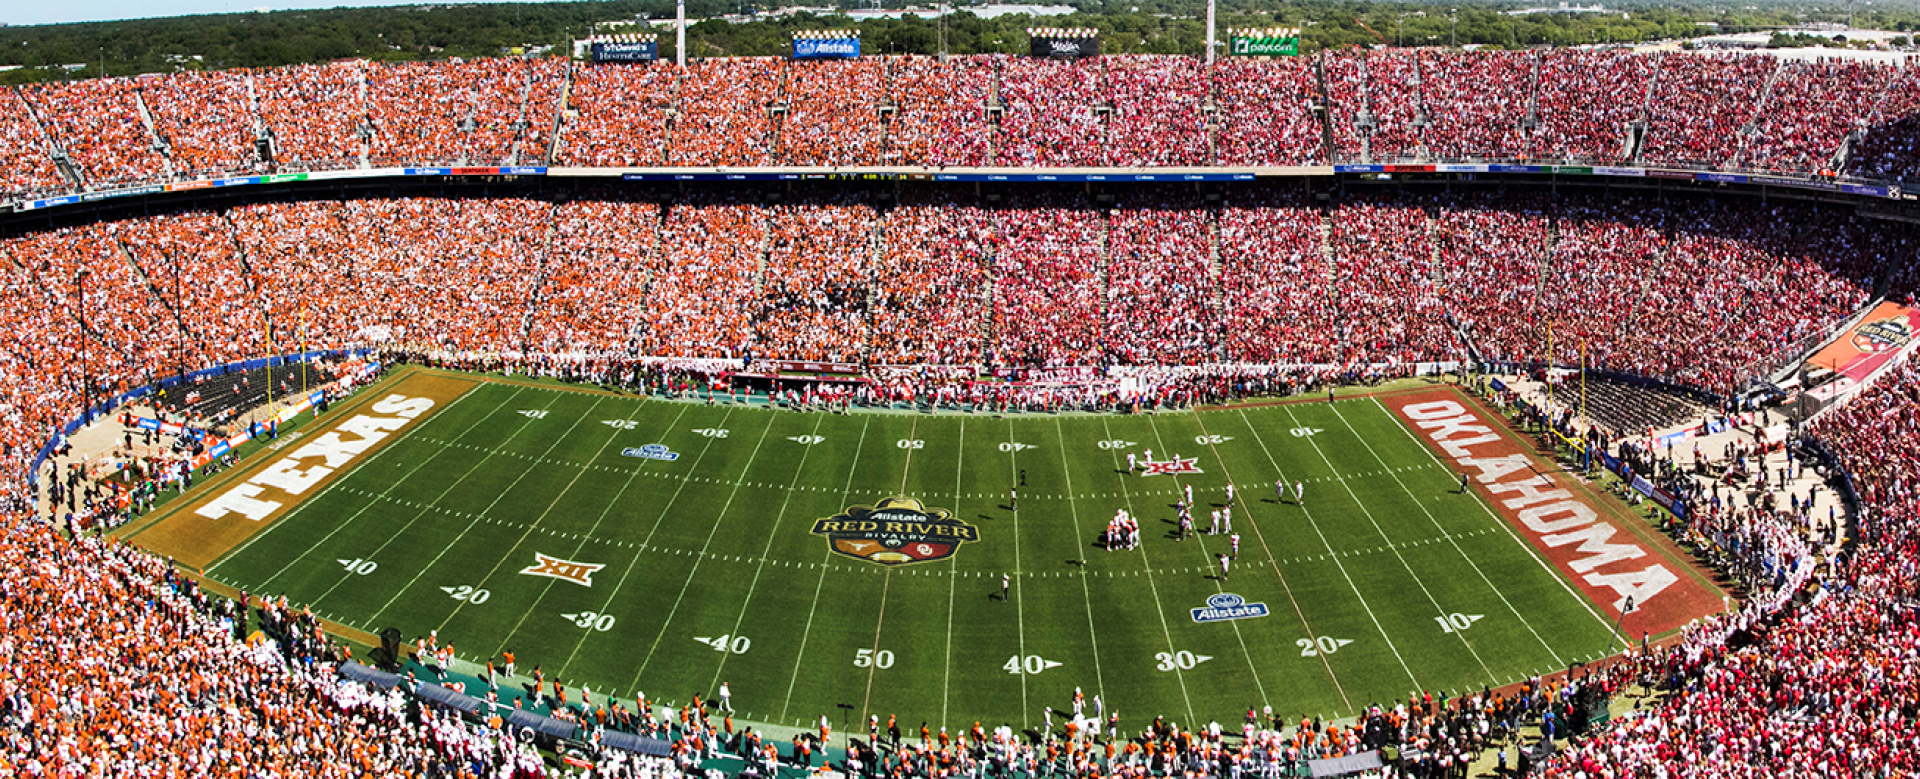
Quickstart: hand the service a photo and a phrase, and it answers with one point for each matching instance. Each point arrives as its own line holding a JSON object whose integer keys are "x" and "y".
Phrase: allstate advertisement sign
{"x": 826, "y": 48}
{"x": 651, "y": 452}
{"x": 1228, "y": 606}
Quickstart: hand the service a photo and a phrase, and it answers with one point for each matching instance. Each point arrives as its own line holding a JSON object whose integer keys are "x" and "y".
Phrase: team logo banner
{"x": 896, "y": 531}
{"x": 1170, "y": 467}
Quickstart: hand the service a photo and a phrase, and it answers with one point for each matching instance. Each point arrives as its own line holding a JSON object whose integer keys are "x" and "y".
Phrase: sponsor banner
{"x": 1677, "y": 175}
{"x": 283, "y": 177}
{"x": 1865, "y": 189}
{"x": 1409, "y": 168}
{"x": 1870, "y": 343}
{"x": 1264, "y": 47}
{"x": 186, "y": 185}
{"x": 236, "y": 181}
{"x": 1520, "y": 168}
{"x": 895, "y": 531}
{"x": 651, "y": 452}
{"x": 1628, "y": 172}
{"x": 1065, "y": 48}
{"x": 1608, "y": 564}
{"x": 1359, "y": 168}
{"x": 826, "y": 48}
{"x": 626, "y": 52}
{"x": 1461, "y": 168}
{"x": 802, "y": 366}
{"x": 527, "y": 170}
{"x": 1227, "y": 606}
{"x": 1726, "y": 178}
{"x": 1573, "y": 170}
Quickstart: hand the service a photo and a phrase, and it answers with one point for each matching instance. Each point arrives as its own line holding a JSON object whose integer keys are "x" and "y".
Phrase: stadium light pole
{"x": 1210, "y": 38}
{"x": 680, "y": 33}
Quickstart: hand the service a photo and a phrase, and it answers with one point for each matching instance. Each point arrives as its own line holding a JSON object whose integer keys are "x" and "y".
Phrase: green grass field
{"x": 712, "y": 572}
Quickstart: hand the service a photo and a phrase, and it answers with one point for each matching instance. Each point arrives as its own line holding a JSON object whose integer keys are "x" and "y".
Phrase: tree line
{"x": 247, "y": 40}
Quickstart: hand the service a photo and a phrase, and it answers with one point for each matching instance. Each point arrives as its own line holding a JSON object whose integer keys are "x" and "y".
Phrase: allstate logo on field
{"x": 651, "y": 452}
{"x": 1226, "y": 606}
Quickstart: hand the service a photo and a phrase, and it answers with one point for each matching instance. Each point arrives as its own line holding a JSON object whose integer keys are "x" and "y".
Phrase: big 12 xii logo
{"x": 895, "y": 531}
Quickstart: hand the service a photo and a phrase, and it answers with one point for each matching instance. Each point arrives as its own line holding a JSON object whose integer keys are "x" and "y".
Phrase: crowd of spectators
{"x": 100, "y": 125}
{"x": 1475, "y": 102}
{"x": 1053, "y": 114}
{"x": 1816, "y": 680}
{"x": 940, "y": 110}
{"x": 1266, "y": 113}
{"x": 206, "y": 121}
{"x": 1156, "y": 119}
{"x": 1585, "y": 101}
{"x": 726, "y": 112}
{"x": 1813, "y": 106}
{"x": 1736, "y": 111}
{"x": 833, "y": 112}
{"x": 1689, "y": 290}
{"x": 619, "y": 116}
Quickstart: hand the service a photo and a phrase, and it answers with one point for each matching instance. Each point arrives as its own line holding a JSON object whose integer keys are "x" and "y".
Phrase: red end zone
{"x": 1608, "y": 563}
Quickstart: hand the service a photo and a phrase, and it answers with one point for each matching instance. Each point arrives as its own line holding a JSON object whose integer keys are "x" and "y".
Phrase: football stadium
{"x": 1365, "y": 412}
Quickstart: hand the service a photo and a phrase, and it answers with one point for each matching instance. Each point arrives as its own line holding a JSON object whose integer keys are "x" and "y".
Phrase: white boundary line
{"x": 1159, "y": 606}
{"x": 712, "y": 531}
{"x": 1344, "y": 484}
{"x": 807, "y": 631}
{"x": 1557, "y": 659}
{"x": 375, "y": 618}
{"x": 1481, "y": 501}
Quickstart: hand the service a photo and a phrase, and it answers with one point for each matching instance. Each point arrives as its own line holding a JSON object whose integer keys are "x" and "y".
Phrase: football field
{"x": 641, "y": 544}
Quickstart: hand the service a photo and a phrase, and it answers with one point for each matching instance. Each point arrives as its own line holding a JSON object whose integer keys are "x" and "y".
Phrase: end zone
{"x": 234, "y": 509}
{"x": 1607, "y": 563}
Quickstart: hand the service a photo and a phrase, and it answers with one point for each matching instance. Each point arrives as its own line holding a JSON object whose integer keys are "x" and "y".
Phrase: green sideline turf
{"x": 711, "y": 572}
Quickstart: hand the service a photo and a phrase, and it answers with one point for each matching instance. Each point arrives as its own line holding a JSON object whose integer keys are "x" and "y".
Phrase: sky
{"x": 29, "y": 12}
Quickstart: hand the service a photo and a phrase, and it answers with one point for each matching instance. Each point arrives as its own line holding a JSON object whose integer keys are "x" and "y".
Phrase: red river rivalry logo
{"x": 896, "y": 531}
{"x": 1883, "y": 335}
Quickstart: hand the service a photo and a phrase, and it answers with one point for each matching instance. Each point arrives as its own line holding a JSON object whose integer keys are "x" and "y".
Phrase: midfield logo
{"x": 556, "y": 568}
{"x": 1173, "y": 466}
{"x": 896, "y": 531}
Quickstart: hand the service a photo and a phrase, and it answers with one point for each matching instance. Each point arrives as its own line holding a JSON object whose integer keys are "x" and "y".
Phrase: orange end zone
{"x": 1589, "y": 546}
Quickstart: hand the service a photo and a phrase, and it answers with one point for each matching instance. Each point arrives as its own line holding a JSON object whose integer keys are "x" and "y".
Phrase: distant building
{"x": 1564, "y": 8}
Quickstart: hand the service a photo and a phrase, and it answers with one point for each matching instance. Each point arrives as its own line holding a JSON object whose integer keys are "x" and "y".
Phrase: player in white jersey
{"x": 1300, "y": 493}
{"x": 1131, "y": 464}
{"x": 1229, "y": 493}
{"x": 1214, "y": 529}
{"x": 1226, "y": 519}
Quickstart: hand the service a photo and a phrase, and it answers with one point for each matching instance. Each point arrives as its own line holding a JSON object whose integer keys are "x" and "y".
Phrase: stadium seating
{"x": 1264, "y": 289}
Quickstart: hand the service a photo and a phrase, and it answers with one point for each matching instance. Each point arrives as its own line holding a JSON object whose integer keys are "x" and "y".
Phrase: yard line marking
{"x": 1323, "y": 540}
{"x": 646, "y": 543}
{"x": 1220, "y": 586}
{"x": 632, "y": 476}
{"x": 329, "y": 488}
{"x": 1480, "y": 501}
{"x": 1437, "y": 608}
{"x": 807, "y": 631}
{"x": 711, "y": 532}
{"x": 798, "y": 469}
{"x": 1099, "y": 678}
{"x": 1159, "y": 608}
{"x": 1557, "y": 660}
{"x": 953, "y": 565}
{"x": 473, "y": 522}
